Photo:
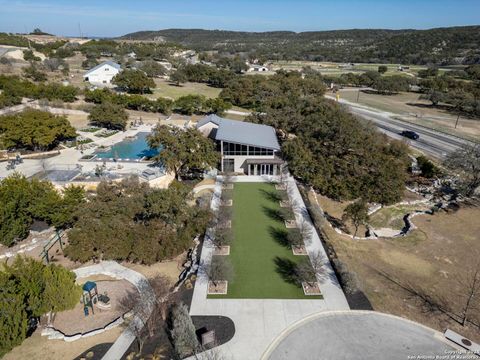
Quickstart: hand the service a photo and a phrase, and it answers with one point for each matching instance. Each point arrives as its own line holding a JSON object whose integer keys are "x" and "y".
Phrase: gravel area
{"x": 74, "y": 321}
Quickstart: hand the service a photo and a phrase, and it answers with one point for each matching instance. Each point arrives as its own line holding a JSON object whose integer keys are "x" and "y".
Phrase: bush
{"x": 428, "y": 168}
{"x": 34, "y": 130}
{"x": 32, "y": 72}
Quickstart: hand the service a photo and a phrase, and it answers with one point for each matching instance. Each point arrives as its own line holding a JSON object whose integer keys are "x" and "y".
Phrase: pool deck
{"x": 69, "y": 158}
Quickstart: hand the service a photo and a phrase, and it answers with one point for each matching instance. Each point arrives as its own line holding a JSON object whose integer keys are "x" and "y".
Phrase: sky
{"x": 114, "y": 18}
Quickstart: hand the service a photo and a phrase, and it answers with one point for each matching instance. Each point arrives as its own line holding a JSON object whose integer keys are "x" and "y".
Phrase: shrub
{"x": 428, "y": 168}
{"x": 34, "y": 130}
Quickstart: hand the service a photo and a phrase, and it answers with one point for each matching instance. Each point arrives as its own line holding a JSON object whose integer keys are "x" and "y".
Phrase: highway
{"x": 431, "y": 142}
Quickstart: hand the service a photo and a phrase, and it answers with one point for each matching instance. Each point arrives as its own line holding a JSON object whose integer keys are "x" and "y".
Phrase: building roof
{"x": 241, "y": 132}
{"x": 111, "y": 63}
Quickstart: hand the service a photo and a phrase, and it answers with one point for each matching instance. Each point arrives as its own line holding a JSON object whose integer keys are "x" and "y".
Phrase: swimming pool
{"x": 135, "y": 148}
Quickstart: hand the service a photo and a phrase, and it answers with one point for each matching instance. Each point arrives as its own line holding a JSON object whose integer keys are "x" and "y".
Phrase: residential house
{"x": 102, "y": 74}
{"x": 257, "y": 68}
{"x": 245, "y": 148}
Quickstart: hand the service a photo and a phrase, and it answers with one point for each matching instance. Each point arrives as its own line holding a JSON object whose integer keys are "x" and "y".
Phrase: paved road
{"x": 358, "y": 335}
{"x": 431, "y": 142}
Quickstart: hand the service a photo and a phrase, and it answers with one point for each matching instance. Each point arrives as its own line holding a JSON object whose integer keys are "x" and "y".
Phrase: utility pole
{"x": 456, "y": 122}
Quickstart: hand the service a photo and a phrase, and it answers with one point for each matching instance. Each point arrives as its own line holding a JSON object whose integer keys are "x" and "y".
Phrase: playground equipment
{"x": 57, "y": 237}
{"x": 89, "y": 296}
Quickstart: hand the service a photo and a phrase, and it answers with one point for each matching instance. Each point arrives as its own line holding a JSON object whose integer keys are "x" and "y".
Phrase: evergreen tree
{"x": 183, "y": 332}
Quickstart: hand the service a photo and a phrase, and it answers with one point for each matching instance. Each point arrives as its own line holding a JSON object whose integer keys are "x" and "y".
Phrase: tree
{"x": 190, "y": 104}
{"x": 34, "y": 130}
{"x": 471, "y": 286}
{"x": 223, "y": 237}
{"x": 466, "y": 160}
{"x": 178, "y": 77}
{"x": 25, "y": 200}
{"x": 434, "y": 96}
{"x": 13, "y": 317}
{"x": 150, "y": 317}
{"x": 134, "y": 81}
{"x": 109, "y": 115}
{"x": 217, "y": 106}
{"x": 357, "y": 212}
{"x": 153, "y": 68}
{"x": 307, "y": 269}
{"x": 382, "y": 69}
{"x": 219, "y": 269}
{"x": 133, "y": 222}
{"x": 30, "y": 289}
{"x": 183, "y": 151}
{"x": 183, "y": 332}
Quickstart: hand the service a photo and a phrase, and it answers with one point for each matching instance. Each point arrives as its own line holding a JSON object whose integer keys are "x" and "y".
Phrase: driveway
{"x": 358, "y": 335}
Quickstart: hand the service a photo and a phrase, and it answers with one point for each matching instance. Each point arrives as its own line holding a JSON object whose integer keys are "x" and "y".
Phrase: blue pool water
{"x": 133, "y": 149}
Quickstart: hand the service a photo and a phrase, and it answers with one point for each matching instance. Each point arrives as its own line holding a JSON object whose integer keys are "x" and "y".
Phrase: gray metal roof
{"x": 241, "y": 132}
{"x": 111, "y": 63}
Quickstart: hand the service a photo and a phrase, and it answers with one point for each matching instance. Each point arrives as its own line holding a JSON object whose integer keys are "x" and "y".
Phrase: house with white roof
{"x": 102, "y": 74}
{"x": 257, "y": 68}
{"x": 245, "y": 148}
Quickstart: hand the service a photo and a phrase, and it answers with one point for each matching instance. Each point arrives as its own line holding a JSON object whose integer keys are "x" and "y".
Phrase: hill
{"x": 445, "y": 46}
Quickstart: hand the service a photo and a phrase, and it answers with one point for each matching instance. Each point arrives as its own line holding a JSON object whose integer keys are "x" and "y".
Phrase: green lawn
{"x": 166, "y": 89}
{"x": 255, "y": 252}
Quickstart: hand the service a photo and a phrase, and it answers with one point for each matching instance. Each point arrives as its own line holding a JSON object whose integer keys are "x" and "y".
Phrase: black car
{"x": 410, "y": 134}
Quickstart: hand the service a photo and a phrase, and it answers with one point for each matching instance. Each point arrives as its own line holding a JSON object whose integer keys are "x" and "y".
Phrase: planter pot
{"x": 220, "y": 289}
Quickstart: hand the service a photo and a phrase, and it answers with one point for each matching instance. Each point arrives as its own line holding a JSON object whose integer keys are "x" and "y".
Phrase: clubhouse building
{"x": 245, "y": 148}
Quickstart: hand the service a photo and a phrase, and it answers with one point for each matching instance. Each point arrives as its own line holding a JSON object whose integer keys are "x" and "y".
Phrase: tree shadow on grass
{"x": 338, "y": 223}
{"x": 279, "y": 235}
{"x": 273, "y": 214}
{"x": 287, "y": 270}
{"x": 271, "y": 195}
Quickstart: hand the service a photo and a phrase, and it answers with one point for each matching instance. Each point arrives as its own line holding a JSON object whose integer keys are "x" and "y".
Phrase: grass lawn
{"x": 168, "y": 90}
{"x": 255, "y": 251}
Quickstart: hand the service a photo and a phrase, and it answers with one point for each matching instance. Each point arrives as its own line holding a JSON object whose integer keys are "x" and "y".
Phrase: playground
{"x": 101, "y": 304}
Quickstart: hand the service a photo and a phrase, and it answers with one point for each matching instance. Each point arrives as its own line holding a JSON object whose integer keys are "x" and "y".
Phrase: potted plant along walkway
{"x": 306, "y": 274}
{"x": 222, "y": 240}
{"x": 219, "y": 272}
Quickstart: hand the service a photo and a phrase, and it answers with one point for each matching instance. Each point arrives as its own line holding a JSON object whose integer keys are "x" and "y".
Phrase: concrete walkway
{"x": 259, "y": 321}
{"x": 147, "y": 297}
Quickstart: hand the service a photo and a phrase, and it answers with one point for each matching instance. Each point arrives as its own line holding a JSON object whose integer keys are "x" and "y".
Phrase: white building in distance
{"x": 102, "y": 74}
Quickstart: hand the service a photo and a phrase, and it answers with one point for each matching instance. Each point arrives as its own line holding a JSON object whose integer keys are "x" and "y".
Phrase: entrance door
{"x": 265, "y": 169}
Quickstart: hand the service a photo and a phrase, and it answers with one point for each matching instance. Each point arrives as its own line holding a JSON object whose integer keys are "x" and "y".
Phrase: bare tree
{"x": 307, "y": 269}
{"x": 306, "y": 230}
{"x": 466, "y": 160}
{"x": 471, "y": 284}
{"x": 223, "y": 237}
{"x": 219, "y": 269}
{"x": 149, "y": 317}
